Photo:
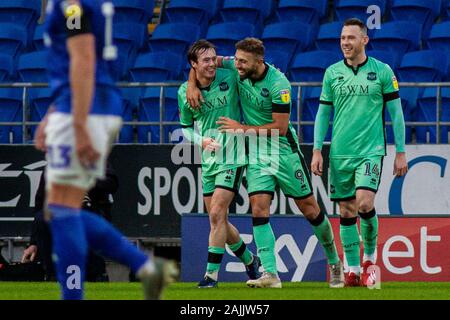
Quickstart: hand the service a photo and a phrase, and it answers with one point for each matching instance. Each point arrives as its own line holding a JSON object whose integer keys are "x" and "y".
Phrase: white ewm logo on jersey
{"x": 285, "y": 241}
{"x": 34, "y": 176}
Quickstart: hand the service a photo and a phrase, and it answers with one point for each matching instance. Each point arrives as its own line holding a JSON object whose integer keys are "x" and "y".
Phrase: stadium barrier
{"x": 409, "y": 248}
{"x": 25, "y": 123}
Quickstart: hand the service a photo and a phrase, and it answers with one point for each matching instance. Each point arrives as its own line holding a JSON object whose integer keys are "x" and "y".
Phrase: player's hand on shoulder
{"x": 400, "y": 164}
{"x": 194, "y": 96}
{"x": 84, "y": 147}
{"x": 317, "y": 163}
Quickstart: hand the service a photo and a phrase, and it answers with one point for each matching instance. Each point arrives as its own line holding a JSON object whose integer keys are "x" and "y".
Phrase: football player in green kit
{"x": 358, "y": 88}
{"x": 222, "y": 164}
{"x": 274, "y": 156}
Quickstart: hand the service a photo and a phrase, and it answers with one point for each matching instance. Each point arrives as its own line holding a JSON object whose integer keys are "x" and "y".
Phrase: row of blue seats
{"x": 204, "y": 12}
{"x": 143, "y": 105}
{"x": 418, "y": 66}
{"x": 160, "y": 66}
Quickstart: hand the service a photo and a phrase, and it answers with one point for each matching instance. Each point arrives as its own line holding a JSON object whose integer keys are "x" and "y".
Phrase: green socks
{"x": 323, "y": 231}
{"x": 241, "y": 251}
{"x": 369, "y": 231}
{"x": 265, "y": 242}
{"x": 350, "y": 241}
{"x": 215, "y": 255}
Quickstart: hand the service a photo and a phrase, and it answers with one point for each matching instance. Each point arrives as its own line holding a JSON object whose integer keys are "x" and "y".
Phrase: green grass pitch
{"x": 234, "y": 291}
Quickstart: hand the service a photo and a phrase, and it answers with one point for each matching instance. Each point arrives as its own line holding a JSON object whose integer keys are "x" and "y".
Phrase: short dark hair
{"x": 356, "y": 22}
{"x": 251, "y": 45}
{"x": 198, "y": 48}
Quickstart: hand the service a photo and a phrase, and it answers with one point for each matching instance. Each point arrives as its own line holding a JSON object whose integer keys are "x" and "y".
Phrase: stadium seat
{"x": 439, "y": 38}
{"x": 185, "y": 71}
{"x": 225, "y": 35}
{"x": 387, "y": 57}
{"x": 279, "y": 59}
{"x": 149, "y": 111}
{"x": 423, "y": 12}
{"x": 156, "y": 67}
{"x": 252, "y": 11}
{"x": 6, "y": 67}
{"x": 427, "y": 112}
{"x": 346, "y": 9}
{"x": 309, "y": 112}
{"x": 128, "y": 39}
{"x": 11, "y": 111}
{"x": 446, "y": 10}
{"x": 311, "y": 66}
{"x": 33, "y": 67}
{"x": 13, "y": 39}
{"x": 329, "y": 37}
{"x": 291, "y": 37}
{"x": 38, "y": 38}
{"x": 40, "y": 99}
{"x": 190, "y": 11}
{"x": 138, "y": 11}
{"x": 23, "y": 13}
{"x": 306, "y": 11}
{"x": 174, "y": 37}
{"x": 423, "y": 66}
{"x": 398, "y": 37}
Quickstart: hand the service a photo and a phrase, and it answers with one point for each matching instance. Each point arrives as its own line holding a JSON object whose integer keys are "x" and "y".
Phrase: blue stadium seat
{"x": 346, "y": 9}
{"x": 398, "y": 37}
{"x": 427, "y": 112}
{"x": 40, "y": 99}
{"x": 149, "y": 111}
{"x": 130, "y": 98}
{"x": 309, "y": 112}
{"x": 424, "y": 65}
{"x": 128, "y": 39}
{"x": 185, "y": 71}
{"x": 439, "y": 38}
{"x": 174, "y": 37}
{"x": 423, "y": 12}
{"x": 138, "y": 11}
{"x": 387, "y": 57}
{"x": 13, "y": 39}
{"x": 38, "y": 38}
{"x": 11, "y": 111}
{"x": 311, "y": 66}
{"x": 225, "y": 35}
{"x": 306, "y": 11}
{"x": 252, "y": 11}
{"x": 6, "y": 67}
{"x": 294, "y": 109}
{"x": 329, "y": 37}
{"x": 33, "y": 67}
{"x": 291, "y": 37}
{"x": 190, "y": 11}
{"x": 156, "y": 67}
{"x": 24, "y": 13}
{"x": 446, "y": 10}
{"x": 279, "y": 59}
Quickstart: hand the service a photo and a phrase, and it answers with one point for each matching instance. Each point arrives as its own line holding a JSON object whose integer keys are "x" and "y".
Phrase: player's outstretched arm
{"x": 394, "y": 108}
{"x": 81, "y": 50}
{"x": 320, "y": 130}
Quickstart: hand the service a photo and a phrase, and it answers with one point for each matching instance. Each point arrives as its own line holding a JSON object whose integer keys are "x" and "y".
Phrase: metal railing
{"x": 299, "y": 105}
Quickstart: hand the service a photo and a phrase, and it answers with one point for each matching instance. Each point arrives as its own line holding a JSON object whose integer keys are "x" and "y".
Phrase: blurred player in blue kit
{"x": 77, "y": 136}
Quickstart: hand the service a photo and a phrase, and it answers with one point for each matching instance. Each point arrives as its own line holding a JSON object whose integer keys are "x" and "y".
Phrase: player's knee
{"x": 365, "y": 206}
{"x": 217, "y": 216}
{"x": 309, "y": 207}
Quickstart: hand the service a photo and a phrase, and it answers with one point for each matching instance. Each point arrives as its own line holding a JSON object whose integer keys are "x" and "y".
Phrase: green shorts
{"x": 291, "y": 175}
{"x": 349, "y": 175}
{"x": 228, "y": 179}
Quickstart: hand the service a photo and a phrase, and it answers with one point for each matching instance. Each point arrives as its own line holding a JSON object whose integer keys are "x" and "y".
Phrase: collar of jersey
{"x": 355, "y": 71}
{"x": 264, "y": 74}
{"x": 205, "y": 88}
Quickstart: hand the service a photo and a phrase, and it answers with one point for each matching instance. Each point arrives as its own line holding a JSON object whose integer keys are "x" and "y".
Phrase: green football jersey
{"x": 221, "y": 99}
{"x": 358, "y": 96}
{"x": 270, "y": 94}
